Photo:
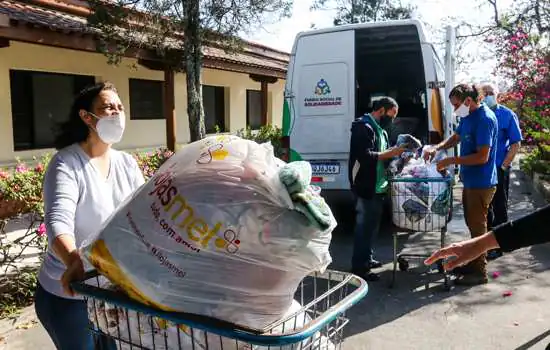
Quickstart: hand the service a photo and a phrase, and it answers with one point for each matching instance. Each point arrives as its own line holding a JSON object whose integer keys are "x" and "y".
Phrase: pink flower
{"x": 4, "y": 174}
{"x": 20, "y": 168}
{"x": 39, "y": 168}
{"x": 41, "y": 230}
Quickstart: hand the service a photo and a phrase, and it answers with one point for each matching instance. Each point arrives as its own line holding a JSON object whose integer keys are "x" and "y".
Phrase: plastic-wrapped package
{"x": 420, "y": 206}
{"x": 412, "y": 145}
{"x": 224, "y": 229}
{"x": 137, "y": 329}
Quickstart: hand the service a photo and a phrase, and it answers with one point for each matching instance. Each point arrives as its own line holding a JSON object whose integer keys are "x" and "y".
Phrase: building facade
{"x": 46, "y": 57}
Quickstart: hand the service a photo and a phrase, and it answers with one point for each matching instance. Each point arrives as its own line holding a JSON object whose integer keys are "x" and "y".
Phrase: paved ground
{"x": 417, "y": 315}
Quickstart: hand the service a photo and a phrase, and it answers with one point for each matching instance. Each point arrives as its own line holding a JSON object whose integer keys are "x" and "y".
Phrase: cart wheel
{"x": 447, "y": 285}
{"x": 403, "y": 264}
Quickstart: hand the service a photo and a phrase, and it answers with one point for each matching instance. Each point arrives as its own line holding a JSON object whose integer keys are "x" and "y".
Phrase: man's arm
{"x": 366, "y": 152}
{"x": 514, "y": 149}
{"x": 479, "y": 158}
{"x": 526, "y": 231}
{"x": 514, "y": 136}
{"x": 448, "y": 143}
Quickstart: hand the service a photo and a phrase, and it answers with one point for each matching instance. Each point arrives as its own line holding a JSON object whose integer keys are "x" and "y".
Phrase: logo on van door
{"x": 323, "y": 96}
{"x": 322, "y": 88}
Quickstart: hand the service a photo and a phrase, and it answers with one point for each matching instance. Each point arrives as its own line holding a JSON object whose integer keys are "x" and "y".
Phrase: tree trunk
{"x": 193, "y": 63}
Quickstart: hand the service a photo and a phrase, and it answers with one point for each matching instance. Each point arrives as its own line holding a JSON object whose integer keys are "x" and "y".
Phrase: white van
{"x": 334, "y": 75}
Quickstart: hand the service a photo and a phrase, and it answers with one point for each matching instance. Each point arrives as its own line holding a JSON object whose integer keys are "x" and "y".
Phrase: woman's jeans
{"x": 66, "y": 321}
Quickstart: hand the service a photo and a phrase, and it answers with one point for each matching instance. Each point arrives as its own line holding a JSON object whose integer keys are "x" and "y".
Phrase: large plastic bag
{"x": 423, "y": 205}
{"x": 216, "y": 232}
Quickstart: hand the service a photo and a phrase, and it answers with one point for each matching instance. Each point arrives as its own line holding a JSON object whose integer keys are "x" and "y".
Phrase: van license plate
{"x": 325, "y": 168}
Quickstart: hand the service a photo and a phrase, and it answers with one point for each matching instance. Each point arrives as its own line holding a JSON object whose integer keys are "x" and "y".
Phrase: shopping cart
{"x": 318, "y": 324}
{"x": 420, "y": 205}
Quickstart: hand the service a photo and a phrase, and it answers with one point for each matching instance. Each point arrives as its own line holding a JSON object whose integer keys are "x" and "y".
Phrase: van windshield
{"x": 388, "y": 61}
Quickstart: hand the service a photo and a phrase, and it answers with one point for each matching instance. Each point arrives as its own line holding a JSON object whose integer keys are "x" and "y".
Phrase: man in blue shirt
{"x": 477, "y": 134}
{"x": 509, "y": 141}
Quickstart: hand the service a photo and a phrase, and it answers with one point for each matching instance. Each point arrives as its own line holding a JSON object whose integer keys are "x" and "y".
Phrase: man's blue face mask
{"x": 490, "y": 101}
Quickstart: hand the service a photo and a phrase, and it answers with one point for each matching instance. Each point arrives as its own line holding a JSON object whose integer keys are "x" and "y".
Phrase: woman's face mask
{"x": 110, "y": 128}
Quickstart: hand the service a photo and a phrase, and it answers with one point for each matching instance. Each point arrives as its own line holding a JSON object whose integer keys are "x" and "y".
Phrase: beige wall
{"x": 139, "y": 133}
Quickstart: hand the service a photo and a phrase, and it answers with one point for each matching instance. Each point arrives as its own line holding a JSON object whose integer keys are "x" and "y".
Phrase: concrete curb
{"x": 541, "y": 186}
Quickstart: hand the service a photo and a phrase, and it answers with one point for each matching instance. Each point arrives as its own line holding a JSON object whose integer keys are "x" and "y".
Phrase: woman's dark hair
{"x": 462, "y": 91}
{"x": 386, "y": 102}
{"x": 75, "y": 130}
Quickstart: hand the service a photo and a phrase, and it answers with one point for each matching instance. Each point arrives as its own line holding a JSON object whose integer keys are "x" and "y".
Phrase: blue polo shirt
{"x": 508, "y": 131}
{"x": 479, "y": 129}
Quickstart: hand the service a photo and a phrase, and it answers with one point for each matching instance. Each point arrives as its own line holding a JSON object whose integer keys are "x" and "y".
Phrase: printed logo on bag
{"x": 184, "y": 217}
{"x": 213, "y": 149}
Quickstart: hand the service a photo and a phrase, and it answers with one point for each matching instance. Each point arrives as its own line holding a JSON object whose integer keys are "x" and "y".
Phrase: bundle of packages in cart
{"x": 421, "y": 205}
{"x": 224, "y": 229}
{"x": 137, "y": 330}
{"x": 411, "y": 145}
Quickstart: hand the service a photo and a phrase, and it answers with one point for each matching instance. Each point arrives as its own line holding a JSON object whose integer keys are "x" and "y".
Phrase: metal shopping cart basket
{"x": 420, "y": 205}
{"x": 318, "y": 324}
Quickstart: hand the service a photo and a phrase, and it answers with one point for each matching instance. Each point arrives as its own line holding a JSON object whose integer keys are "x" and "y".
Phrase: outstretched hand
{"x": 463, "y": 252}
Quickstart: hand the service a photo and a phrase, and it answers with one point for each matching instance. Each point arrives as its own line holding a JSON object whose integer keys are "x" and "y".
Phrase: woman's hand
{"x": 464, "y": 251}
{"x": 74, "y": 272}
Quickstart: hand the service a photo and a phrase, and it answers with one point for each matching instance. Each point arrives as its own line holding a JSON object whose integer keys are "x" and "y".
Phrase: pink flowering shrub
{"x": 525, "y": 61}
{"x": 21, "y": 189}
{"x": 150, "y": 162}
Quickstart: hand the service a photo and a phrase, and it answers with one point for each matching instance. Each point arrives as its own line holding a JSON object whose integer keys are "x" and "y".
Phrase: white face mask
{"x": 462, "y": 111}
{"x": 110, "y": 129}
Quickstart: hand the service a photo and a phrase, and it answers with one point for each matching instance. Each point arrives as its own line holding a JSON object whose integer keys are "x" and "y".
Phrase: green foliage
{"x": 537, "y": 161}
{"x": 267, "y": 133}
{"x": 360, "y": 11}
{"x": 17, "y": 291}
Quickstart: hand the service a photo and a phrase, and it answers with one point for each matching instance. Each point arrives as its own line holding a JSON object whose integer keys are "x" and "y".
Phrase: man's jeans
{"x": 367, "y": 224}
{"x": 498, "y": 211}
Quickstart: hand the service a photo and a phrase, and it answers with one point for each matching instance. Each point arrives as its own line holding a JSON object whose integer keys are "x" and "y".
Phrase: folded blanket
{"x": 296, "y": 177}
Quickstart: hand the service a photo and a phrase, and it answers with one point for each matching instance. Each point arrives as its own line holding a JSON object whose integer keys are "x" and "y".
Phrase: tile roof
{"x": 70, "y": 17}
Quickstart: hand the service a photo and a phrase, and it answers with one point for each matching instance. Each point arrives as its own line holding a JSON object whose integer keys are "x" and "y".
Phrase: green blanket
{"x": 296, "y": 177}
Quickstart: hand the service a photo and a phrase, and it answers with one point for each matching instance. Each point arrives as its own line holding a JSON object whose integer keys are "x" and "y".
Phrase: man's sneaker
{"x": 471, "y": 280}
{"x": 367, "y": 275}
{"x": 374, "y": 264}
{"x": 494, "y": 254}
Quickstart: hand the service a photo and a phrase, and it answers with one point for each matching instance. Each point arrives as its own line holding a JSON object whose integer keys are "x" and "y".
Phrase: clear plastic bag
{"x": 423, "y": 205}
{"x": 411, "y": 145}
{"x": 216, "y": 232}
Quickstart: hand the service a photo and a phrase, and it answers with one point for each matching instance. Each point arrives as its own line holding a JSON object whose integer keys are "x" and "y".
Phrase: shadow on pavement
{"x": 416, "y": 289}
{"x": 535, "y": 341}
